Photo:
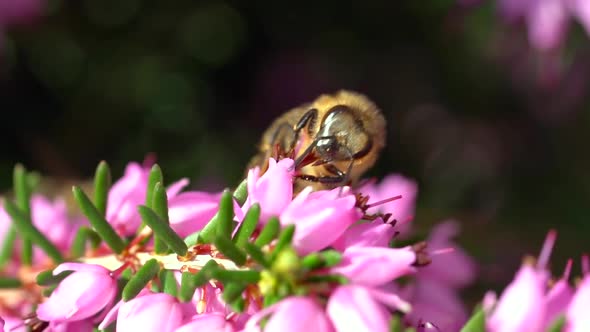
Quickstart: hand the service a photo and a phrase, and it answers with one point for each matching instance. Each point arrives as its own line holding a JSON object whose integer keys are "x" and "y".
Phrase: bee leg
{"x": 279, "y": 139}
{"x": 307, "y": 120}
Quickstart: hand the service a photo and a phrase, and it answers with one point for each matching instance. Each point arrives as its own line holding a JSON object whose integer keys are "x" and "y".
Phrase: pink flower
{"x": 577, "y": 311}
{"x": 149, "y": 312}
{"x": 293, "y": 314}
{"x": 558, "y": 297}
{"x": 521, "y": 306}
{"x": 375, "y": 266}
{"x": 85, "y": 325}
{"x": 433, "y": 293}
{"x": 51, "y": 219}
{"x": 5, "y": 221}
{"x": 273, "y": 190}
{"x": 19, "y": 11}
{"x": 124, "y": 197}
{"x": 455, "y": 268}
{"x": 581, "y": 9}
{"x": 129, "y": 192}
{"x": 401, "y": 209}
{"x": 214, "y": 322}
{"x": 12, "y": 323}
{"x": 190, "y": 211}
{"x": 547, "y": 22}
{"x": 83, "y": 294}
{"x": 366, "y": 234}
{"x": 356, "y": 308}
{"x": 435, "y": 302}
{"x": 320, "y": 218}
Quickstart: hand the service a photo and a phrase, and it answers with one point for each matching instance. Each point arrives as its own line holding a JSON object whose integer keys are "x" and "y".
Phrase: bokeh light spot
{"x": 213, "y": 34}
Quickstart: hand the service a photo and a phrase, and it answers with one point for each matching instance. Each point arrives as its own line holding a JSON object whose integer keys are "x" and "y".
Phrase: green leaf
{"x": 238, "y": 305}
{"x": 6, "y": 282}
{"x": 47, "y": 291}
{"x": 160, "y": 207}
{"x": 22, "y": 194}
{"x": 226, "y": 215}
{"x": 233, "y": 291}
{"x": 316, "y": 260}
{"x": 248, "y": 226}
{"x": 241, "y": 192}
{"x": 26, "y": 229}
{"x": 190, "y": 281}
{"x": 84, "y": 235}
{"x": 102, "y": 184}
{"x": 283, "y": 241}
{"x": 192, "y": 239}
{"x": 230, "y": 250}
{"x": 227, "y": 276}
{"x": 222, "y": 221}
{"x": 163, "y": 230}
{"x": 477, "y": 322}
{"x": 268, "y": 233}
{"x": 395, "y": 325}
{"x": 46, "y": 278}
{"x": 256, "y": 254}
{"x": 557, "y": 324}
{"x": 98, "y": 222}
{"x": 329, "y": 278}
{"x": 169, "y": 284}
{"x": 7, "y": 246}
{"x": 143, "y": 276}
{"x": 154, "y": 177}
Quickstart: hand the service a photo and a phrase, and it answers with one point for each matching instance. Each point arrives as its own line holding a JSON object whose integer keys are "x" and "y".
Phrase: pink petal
{"x": 521, "y": 305}
{"x": 80, "y": 267}
{"x": 80, "y": 295}
{"x": 366, "y": 234}
{"x": 577, "y": 313}
{"x": 207, "y": 322}
{"x": 154, "y": 312}
{"x": 319, "y": 219}
{"x": 581, "y": 9}
{"x": 454, "y": 268}
{"x": 374, "y": 266}
{"x": 273, "y": 190}
{"x": 298, "y": 314}
{"x": 353, "y": 308}
{"x": 547, "y": 23}
{"x": 177, "y": 187}
{"x": 557, "y": 300}
{"x": 435, "y": 302}
{"x": 191, "y": 211}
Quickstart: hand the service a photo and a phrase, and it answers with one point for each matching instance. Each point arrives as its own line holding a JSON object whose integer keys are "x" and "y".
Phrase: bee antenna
{"x": 387, "y": 200}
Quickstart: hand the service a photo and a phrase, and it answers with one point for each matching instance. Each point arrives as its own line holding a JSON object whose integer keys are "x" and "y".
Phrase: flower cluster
{"x": 533, "y": 302}
{"x": 547, "y": 20}
{"x": 263, "y": 258}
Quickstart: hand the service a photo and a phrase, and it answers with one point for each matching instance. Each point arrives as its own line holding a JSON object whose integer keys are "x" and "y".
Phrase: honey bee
{"x": 333, "y": 140}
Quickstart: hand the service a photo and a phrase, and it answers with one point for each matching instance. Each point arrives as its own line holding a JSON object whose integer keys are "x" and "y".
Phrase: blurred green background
{"x": 496, "y": 133}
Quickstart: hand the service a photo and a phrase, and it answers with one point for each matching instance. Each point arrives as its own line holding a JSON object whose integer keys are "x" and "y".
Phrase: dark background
{"x": 495, "y": 132}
